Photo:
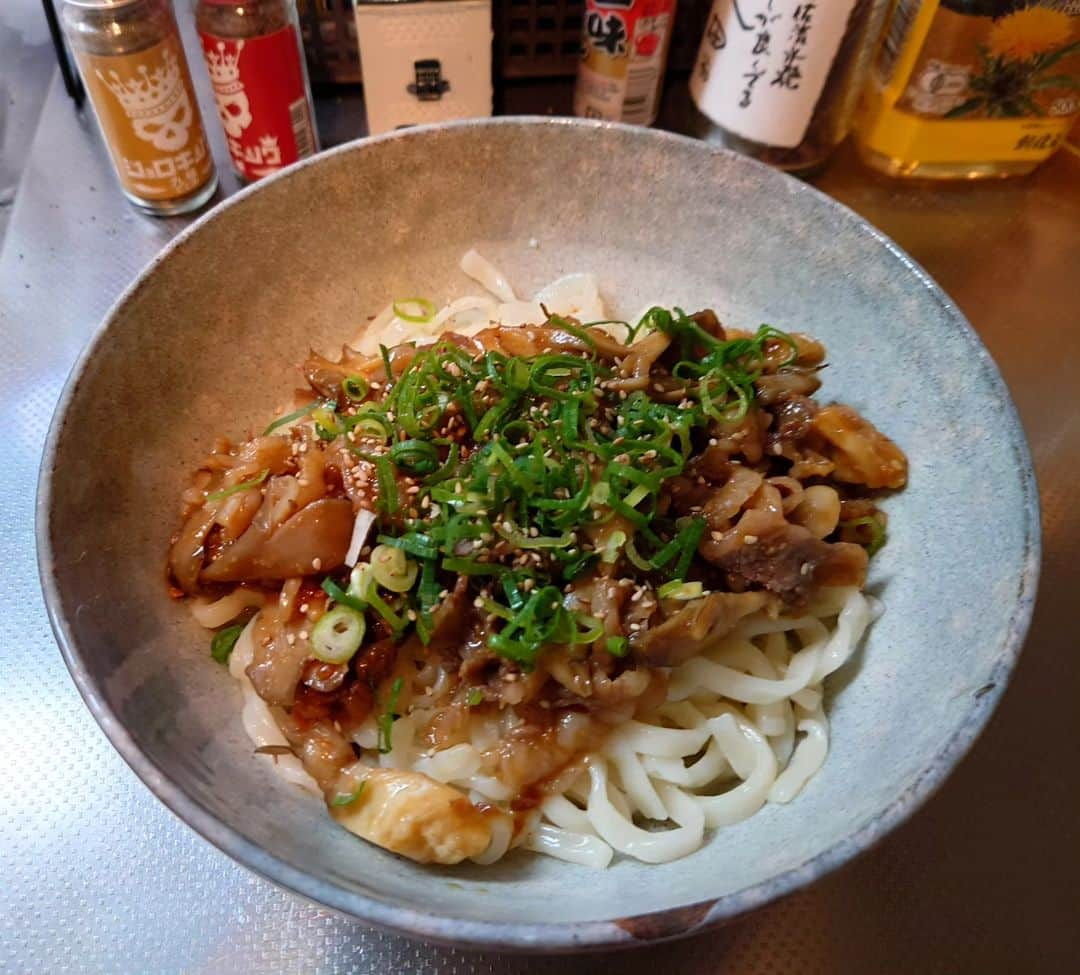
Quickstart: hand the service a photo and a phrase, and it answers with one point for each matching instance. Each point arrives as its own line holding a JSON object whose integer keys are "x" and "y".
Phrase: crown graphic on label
{"x": 149, "y": 92}
{"x": 225, "y": 68}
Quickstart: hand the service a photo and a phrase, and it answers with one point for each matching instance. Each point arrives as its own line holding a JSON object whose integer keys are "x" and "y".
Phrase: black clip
{"x": 430, "y": 85}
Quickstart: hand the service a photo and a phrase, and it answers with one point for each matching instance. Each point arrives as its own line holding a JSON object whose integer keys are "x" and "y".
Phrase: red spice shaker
{"x": 255, "y": 57}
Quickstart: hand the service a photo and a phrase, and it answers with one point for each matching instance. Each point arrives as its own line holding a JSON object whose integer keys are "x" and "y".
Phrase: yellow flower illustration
{"x": 1028, "y": 32}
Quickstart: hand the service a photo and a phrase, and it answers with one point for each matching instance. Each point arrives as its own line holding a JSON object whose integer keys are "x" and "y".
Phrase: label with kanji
{"x": 147, "y": 111}
{"x": 622, "y": 64}
{"x": 763, "y": 64}
{"x": 261, "y": 100}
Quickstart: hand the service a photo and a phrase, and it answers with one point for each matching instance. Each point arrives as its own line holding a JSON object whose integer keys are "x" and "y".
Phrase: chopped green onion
{"x": 289, "y": 417}
{"x": 338, "y": 635}
{"x": 355, "y": 387}
{"x": 474, "y": 697}
{"x": 392, "y": 570}
{"x": 414, "y": 543}
{"x": 339, "y": 595}
{"x": 415, "y": 456}
{"x": 361, "y": 583}
{"x": 617, "y": 646}
{"x": 680, "y": 590}
{"x": 878, "y": 537}
{"x": 221, "y": 646}
{"x": 385, "y": 721}
{"x": 426, "y": 308}
{"x": 388, "y": 496}
{"x": 348, "y": 798}
{"x": 397, "y": 624}
{"x": 242, "y": 486}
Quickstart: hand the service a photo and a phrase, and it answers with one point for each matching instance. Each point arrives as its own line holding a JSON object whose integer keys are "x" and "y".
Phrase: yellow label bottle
{"x": 964, "y": 89}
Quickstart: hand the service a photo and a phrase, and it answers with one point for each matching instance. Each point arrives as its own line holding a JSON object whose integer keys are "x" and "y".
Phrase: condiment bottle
{"x": 964, "y": 89}
{"x": 779, "y": 79}
{"x": 132, "y": 64}
{"x": 624, "y": 52}
{"x": 257, "y": 69}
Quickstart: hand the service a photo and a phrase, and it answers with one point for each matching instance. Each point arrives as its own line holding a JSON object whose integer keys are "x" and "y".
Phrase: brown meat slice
{"x": 315, "y": 539}
{"x": 697, "y": 624}
{"x": 862, "y": 453}
{"x": 765, "y": 550}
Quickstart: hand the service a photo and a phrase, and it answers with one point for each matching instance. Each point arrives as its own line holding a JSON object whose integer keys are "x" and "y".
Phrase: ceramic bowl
{"x": 207, "y": 341}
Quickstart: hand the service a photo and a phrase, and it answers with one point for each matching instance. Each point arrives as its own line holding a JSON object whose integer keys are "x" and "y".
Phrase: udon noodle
{"x": 588, "y": 612}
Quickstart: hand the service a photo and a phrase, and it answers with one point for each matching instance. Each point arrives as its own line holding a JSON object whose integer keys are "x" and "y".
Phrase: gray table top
{"x": 98, "y": 876}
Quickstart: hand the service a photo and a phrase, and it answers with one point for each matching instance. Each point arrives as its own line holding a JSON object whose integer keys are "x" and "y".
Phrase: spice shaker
{"x": 424, "y": 62}
{"x": 623, "y": 55}
{"x": 132, "y": 64}
{"x": 258, "y": 73}
{"x": 779, "y": 79}
{"x": 963, "y": 89}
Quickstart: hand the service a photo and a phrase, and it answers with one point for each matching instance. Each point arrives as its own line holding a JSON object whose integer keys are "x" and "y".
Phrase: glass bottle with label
{"x": 963, "y": 89}
{"x": 624, "y": 53}
{"x": 255, "y": 57}
{"x": 779, "y": 79}
{"x": 132, "y": 64}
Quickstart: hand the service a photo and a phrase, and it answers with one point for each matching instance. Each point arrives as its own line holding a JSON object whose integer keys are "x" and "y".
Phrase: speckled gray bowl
{"x": 207, "y": 340}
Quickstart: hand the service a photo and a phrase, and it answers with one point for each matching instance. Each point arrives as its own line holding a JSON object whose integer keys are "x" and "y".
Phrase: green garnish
{"x": 296, "y": 414}
{"x": 617, "y": 646}
{"x": 505, "y": 469}
{"x": 422, "y": 313}
{"x": 242, "y": 486}
{"x": 474, "y": 697}
{"x": 339, "y": 595}
{"x": 355, "y": 388}
{"x": 878, "y": 536}
{"x": 221, "y": 646}
{"x": 347, "y": 799}
{"x": 338, "y": 634}
{"x": 415, "y": 456}
{"x": 385, "y": 721}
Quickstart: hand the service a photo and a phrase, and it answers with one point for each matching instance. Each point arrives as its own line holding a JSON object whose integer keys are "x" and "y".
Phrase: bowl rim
{"x": 547, "y": 936}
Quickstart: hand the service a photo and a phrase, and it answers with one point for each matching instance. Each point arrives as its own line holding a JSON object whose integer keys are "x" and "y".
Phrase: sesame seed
{"x": 316, "y": 564}
{"x": 303, "y": 607}
{"x": 750, "y": 539}
{"x": 290, "y": 639}
{"x": 717, "y": 536}
{"x": 303, "y": 634}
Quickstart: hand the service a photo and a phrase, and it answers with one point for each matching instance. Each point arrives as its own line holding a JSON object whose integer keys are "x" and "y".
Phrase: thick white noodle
{"x": 487, "y": 275}
{"x": 218, "y": 612}
{"x": 257, "y": 719}
{"x": 744, "y": 723}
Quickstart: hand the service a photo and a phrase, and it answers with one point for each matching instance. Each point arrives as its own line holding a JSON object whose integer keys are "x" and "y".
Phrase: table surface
{"x": 97, "y": 874}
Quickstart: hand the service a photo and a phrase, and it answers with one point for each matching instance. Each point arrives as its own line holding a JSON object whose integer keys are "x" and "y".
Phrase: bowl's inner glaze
{"x": 208, "y": 344}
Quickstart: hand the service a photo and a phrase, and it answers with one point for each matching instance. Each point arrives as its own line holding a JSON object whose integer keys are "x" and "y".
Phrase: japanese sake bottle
{"x": 779, "y": 79}
{"x": 963, "y": 89}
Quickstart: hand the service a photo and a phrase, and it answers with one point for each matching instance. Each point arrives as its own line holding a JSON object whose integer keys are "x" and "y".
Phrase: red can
{"x": 255, "y": 58}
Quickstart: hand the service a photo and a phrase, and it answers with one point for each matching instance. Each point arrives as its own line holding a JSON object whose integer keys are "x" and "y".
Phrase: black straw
{"x": 71, "y": 76}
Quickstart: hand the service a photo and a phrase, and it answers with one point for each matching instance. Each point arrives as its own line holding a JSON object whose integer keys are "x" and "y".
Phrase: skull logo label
{"x": 156, "y": 101}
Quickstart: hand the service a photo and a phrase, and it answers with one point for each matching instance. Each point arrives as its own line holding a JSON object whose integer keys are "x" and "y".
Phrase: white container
{"x": 424, "y": 62}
